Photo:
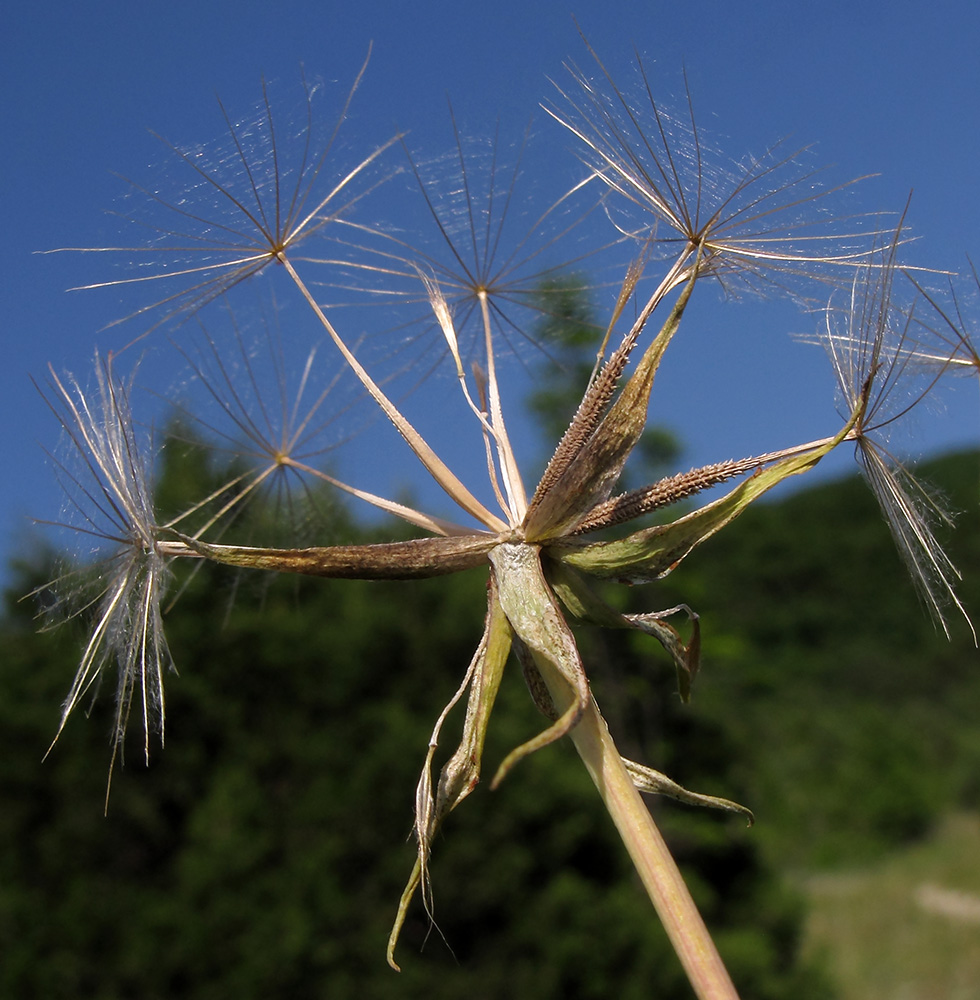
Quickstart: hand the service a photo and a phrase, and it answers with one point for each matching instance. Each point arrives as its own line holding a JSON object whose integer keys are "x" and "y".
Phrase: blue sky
{"x": 884, "y": 88}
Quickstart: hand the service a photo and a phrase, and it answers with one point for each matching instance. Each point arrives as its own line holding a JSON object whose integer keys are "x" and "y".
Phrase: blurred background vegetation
{"x": 263, "y": 852}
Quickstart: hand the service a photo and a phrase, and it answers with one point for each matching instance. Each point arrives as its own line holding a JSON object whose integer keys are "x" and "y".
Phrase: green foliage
{"x": 262, "y": 853}
{"x": 854, "y": 723}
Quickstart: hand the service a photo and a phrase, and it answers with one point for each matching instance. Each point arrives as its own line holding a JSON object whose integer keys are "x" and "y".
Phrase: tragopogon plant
{"x": 281, "y": 200}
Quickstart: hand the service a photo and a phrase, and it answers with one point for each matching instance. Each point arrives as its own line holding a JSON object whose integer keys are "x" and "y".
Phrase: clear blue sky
{"x": 889, "y": 88}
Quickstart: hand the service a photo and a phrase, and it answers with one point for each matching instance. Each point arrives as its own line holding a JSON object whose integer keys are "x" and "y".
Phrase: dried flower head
{"x": 539, "y": 546}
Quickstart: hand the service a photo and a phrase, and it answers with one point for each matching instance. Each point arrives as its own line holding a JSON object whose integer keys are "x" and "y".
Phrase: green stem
{"x": 654, "y": 863}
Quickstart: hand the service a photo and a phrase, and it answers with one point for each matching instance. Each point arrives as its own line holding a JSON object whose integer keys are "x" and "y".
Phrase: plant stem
{"x": 653, "y": 861}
